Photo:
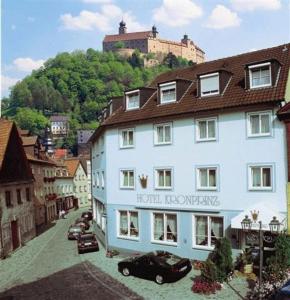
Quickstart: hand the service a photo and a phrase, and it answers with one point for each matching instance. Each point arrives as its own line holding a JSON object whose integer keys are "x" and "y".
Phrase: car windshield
{"x": 75, "y": 229}
{"x": 87, "y": 237}
{"x": 166, "y": 258}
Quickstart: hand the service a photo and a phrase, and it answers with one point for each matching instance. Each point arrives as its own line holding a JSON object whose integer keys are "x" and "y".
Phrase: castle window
{"x": 132, "y": 100}
{"x": 209, "y": 84}
{"x": 167, "y": 92}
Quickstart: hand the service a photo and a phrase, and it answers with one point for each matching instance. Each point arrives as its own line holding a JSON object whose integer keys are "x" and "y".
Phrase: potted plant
{"x": 245, "y": 261}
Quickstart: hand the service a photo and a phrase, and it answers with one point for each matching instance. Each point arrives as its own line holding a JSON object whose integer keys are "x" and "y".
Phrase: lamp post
{"x": 274, "y": 226}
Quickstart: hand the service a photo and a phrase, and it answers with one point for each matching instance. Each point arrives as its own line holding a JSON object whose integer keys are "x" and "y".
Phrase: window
{"x": 259, "y": 124}
{"x": 206, "y": 129}
{"x": 260, "y": 177}
{"x": 8, "y": 199}
{"x": 163, "y": 178}
{"x": 80, "y": 189}
{"x": 100, "y": 216}
{"x": 209, "y": 84}
{"x": 128, "y": 224}
{"x": 207, "y": 230}
{"x": 207, "y": 178}
{"x": 260, "y": 75}
{"x": 98, "y": 179}
{"x": 103, "y": 179}
{"x": 132, "y": 100}
{"x": 127, "y": 138}
{"x": 162, "y": 134}
{"x": 167, "y": 92}
{"x": 165, "y": 227}
{"x": 18, "y": 193}
{"x": 127, "y": 179}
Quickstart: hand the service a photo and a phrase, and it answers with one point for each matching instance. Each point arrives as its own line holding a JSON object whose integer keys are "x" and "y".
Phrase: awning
{"x": 259, "y": 212}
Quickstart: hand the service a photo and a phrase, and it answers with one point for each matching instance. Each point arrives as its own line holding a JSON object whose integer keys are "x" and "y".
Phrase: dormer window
{"x": 260, "y": 75}
{"x": 167, "y": 92}
{"x": 209, "y": 84}
{"x": 132, "y": 100}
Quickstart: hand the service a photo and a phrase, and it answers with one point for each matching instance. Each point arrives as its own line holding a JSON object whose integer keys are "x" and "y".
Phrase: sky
{"x": 35, "y": 30}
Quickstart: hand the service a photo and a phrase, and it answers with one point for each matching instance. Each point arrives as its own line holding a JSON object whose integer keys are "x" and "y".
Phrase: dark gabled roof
{"x": 235, "y": 94}
{"x": 58, "y": 118}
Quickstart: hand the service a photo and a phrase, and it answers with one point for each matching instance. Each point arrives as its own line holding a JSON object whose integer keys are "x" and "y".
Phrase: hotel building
{"x": 178, "y": 164}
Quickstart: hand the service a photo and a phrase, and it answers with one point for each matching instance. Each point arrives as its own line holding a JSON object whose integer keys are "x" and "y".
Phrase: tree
{"x": 31, "y": 120}
{"x": 119, "y": 45}
{"x": 21, "y": 95}
{"x": 171, "y": 61}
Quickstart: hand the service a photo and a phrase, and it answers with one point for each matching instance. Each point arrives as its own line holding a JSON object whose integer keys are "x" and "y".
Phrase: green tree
{"x": 119, "y": 45}
{"x": 21, "y": 95}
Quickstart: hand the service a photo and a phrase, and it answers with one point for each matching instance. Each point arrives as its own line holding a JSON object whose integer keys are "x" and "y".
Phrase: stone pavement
{"x": 49, "y": 267}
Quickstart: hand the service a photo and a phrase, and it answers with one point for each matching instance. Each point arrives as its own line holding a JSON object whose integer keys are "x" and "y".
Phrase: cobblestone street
{"x": 49, "y": 267}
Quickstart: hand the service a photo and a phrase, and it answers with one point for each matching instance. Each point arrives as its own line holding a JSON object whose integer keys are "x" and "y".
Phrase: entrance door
{"x": 15, "y": 237}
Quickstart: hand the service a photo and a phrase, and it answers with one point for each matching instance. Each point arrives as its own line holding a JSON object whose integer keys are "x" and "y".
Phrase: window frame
{"x": 207, "y": 188}
{"x": 8, "y": 202}
{"x": 127, "y": 96}
{"x": 121, "y": 177}
{"x": 103, "y": 179}
{"x": 121, "y": 141}
{"x": 164, "y": 242}
{"x": 156, "y": 186}
{"x": 156, "y": 136}
{"x": 209, "y": 216}
{"x": 201, "y": 77}
{"x": 251, "y": 75}
{"x": 128, "y": 236}
{"x": 197, "y": 130}
{"x": 166, "y": 86}
{"x": 19, "y": 196}
{"x": 250, "y": 177}
{"x": 98, "y": 179}
{"x": 259, "y": 113}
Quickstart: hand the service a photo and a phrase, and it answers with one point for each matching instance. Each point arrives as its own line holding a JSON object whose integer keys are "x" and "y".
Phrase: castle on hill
{"x": 150, "y": 42}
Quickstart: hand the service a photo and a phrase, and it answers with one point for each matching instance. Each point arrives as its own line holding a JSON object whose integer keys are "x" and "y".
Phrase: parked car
{"x": 87, "y": 215}
{"x": 284, "y": 292}
{"x": 74, "y": 232}
{"x": 160, "y": 266}
{"x": 87, "y": 242}
{"x": 83, "y": 223}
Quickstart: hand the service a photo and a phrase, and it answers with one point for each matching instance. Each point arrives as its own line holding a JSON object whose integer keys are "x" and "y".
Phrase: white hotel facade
{"x": 179, "y": 164}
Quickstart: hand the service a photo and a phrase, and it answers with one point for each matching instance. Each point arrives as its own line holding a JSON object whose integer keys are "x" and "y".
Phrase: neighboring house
{"x": 59, "y": 125}
{"x": 17, "y": 221}
{"x": 183, "y": 161}
{"x": 149, "y": 42}
{"x": 77, "y": 171}
{"x": 31, "y": 145}
{"x": 64, "y": 188}
{"x": 60, "y": 154}
{"x": 86, "y": 163}
{"x": 83, "y": 137}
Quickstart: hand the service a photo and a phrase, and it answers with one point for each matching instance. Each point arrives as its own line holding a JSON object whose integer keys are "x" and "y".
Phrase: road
{"x": 49, "y": 267}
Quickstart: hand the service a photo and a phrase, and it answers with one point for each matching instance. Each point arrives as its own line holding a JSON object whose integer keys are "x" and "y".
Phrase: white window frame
{"x": 157, "y": 187}
{"x": 121, "y": 141}
{"x": 127, "y": 95}
{"x": 164, "y": 87}
{"x": 128, "y": 236}
{"x": 250, "y": 177}
{"x": 121, "y": 179}
{"x": 197, "y": 132}
{"x": 103, "y": 179}
{"x": 251, "y": 76}
{"x": 165, "y": 241}
{"x": 156, "y": 135}
{"x": 259, "y": 113}
{"x": 209, "y": 246}
{"x": 98, "y": 179}
{"x": 208, "y": 76}
{"x": 207, "y": 188}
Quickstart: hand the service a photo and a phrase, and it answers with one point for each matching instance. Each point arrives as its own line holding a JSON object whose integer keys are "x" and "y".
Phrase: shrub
{"x": 202, "y": 286}
{"x": 209, "y": 271}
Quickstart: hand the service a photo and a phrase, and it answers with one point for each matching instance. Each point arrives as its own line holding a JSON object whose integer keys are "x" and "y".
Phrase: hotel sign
{"x": 178, "y": 200}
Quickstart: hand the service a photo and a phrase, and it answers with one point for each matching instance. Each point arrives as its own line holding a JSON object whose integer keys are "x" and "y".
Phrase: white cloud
{"x": 6, "y": 83}
{"x": 27, "y": 64}
{"x": 105, "y": 20}
{"x": 250, "y": 5}
{"x": 222, "y": 17}
{"x": 177, "y": 13}
{"x": 97, "y": 1}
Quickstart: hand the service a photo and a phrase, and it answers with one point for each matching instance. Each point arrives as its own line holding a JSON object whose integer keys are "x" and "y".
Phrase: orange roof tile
{"x": 29, "y": 140}
{"x": 72, "y": 165}
{"x": 127, "y": 36}
{"x": 5, "y": 129}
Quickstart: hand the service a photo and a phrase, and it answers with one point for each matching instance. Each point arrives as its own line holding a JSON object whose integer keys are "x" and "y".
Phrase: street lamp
{"x": 274, "y": 226}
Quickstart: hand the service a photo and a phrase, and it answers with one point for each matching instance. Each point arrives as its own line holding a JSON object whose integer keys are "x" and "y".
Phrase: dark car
{"x": 159, "y": 266}
{"x": 87, "y": 242}
{"x": 83, "y": 222}
{"x": 87, "y": 215}
{"x": 74, "y": 232}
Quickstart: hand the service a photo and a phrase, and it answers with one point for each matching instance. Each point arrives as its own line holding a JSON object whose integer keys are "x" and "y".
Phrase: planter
{"x": 247, "y": 269}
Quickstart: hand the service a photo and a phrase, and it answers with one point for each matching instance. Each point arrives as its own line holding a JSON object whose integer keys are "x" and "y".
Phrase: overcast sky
{"x": 35, "y": 30}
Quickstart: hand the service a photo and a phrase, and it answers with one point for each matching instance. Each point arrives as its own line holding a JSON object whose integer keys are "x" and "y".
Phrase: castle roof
{"x": 127, "y": 36}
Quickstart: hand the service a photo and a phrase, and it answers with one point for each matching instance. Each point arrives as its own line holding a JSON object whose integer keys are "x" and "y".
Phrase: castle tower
{"x": 154, "y": 31}
{"x": 185, "y": 39}
{"x": 122, "y": 27}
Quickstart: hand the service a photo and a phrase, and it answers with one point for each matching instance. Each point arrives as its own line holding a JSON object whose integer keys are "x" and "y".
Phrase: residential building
{"x": 17, "y": 221}
{"x": 80, "y": 184}
{"x": 149, "y": 42}
{"x": 86, "y": 163}
{"x": 180, "y": 163}
{"x": 59, "y": 125}
{"x": 83, "y": 146}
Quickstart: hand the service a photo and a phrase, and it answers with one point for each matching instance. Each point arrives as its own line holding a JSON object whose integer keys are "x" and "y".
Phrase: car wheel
{"x": 125, "y": 271}
{"x": 159, "y": 279}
